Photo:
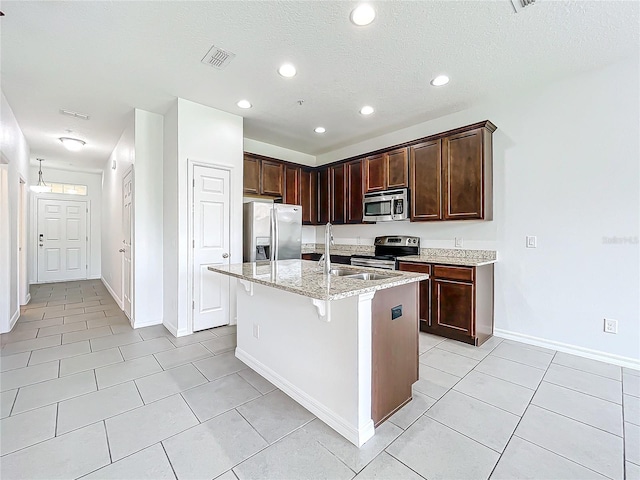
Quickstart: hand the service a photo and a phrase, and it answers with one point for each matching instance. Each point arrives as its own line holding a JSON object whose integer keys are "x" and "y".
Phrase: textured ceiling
{"x": 105, "y": 58}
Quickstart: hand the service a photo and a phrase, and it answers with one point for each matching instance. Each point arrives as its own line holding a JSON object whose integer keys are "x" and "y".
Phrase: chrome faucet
{"x": 325, "y": 259}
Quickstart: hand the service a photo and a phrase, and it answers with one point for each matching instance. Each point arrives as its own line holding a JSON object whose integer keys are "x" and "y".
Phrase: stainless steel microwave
{"x": 385, "y": 206}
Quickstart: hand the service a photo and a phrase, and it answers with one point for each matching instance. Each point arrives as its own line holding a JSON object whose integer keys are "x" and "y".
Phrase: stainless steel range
{"x": 387, "y": 250}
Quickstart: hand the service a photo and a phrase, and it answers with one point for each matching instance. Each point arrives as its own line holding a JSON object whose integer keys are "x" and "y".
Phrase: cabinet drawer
{"x": 415, "y": 267}
{"x": 453, "y": 273}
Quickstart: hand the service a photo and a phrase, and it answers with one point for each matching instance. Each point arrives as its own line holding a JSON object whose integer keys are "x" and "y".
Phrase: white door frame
{"x": 23, "y": 245}
{"x": 133, "y": 243}
{"x": 190, "y": 179}
{"x": 36, "y": 197}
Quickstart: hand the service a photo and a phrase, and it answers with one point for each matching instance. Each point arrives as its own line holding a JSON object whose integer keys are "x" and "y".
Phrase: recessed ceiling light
{"x": 72, "y": 144}
{"x": 244, "y": 104}
{"x": 287, "y": 70}
{"x": 366, "y": 110}
{"x": 320, "y": 130}
{"x": 440, "y": 80}
{"x": 362, "y": 15}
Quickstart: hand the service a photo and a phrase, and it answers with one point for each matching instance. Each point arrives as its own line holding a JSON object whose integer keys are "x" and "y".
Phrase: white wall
{"x": 274, "y": 151}
{"x": 93, "y": 182}
{"x": 566, "y": 169}
{"x": 147, "y": 208}
{"x": 112, "y": 234}
{"x": 194, "y": 132}
{"x": 15, "y": 160}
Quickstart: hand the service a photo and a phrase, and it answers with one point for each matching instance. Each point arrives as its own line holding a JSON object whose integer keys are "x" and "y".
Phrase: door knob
{"x": 225, "y": 255}
{"x": 121, "y": 250}
{"x": 41, "y": 244}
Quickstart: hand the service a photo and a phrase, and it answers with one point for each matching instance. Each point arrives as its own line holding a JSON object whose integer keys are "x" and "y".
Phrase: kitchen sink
{"x": 371, "y": 276}
{"x": 342, "y": 272}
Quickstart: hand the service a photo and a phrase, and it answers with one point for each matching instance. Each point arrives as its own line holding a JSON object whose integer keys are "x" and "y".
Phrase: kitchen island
{"x": 343, "y": 346}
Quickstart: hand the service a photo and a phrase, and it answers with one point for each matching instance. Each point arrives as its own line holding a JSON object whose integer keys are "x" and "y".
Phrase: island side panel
{"x": 317, "y": 363}
{"x": 394, "y": 350}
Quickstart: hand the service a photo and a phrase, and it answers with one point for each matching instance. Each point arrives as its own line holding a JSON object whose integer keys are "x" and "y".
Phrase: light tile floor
{"x": 83, "y": 395}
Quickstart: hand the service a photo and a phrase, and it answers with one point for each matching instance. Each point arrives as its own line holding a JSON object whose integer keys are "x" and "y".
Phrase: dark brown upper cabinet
{"x": 337, "y": 187}
{"x": 375, "y": 173}
{"x": 354, "y": 191}
{"x": 467, "y": 175}
{"x": 397, "y": 164}
{"x": 309, "y": 196}
{"x": 451, "y": 176}
{"x": 251, "y": 175}
{"x": 272, "y": 178}
{"x": 387, "y": 170}
{"x": 324, "y": 204}
{"x": 291, "y": 185}
{"x": 426, "y": 173}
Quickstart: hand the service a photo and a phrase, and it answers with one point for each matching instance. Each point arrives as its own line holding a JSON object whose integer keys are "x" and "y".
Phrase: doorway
{"x": 126, "y": 250}
{"x": 62, "y": 240}
{"x": 23, "y": 283}
{"x": 210, "y": 222}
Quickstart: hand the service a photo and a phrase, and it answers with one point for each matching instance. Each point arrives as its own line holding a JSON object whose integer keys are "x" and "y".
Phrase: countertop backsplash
{"x": 340, "y": 249}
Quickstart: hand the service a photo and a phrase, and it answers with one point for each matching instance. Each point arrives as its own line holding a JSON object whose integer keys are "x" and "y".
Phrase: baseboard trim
{"x": 94, "y": 277}
{"x": 27, "y": 299}
{"x": 628, "y": 362}
{"x": 173, "y": 329}
{"x": 113, "y": 294}
{"x": 14, "y": 319}
{"x": 329, "y": 417}
{"x": 149, "y": 323}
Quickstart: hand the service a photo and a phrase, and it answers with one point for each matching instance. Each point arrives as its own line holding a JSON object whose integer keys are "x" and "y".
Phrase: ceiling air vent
{"x": 218, "y": 58}
{"x": 81, "y": 116}
{"x": 519, "y": 5}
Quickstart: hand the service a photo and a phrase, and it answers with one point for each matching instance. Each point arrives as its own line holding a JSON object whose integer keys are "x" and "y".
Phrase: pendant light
{"x": 41, "y": 187}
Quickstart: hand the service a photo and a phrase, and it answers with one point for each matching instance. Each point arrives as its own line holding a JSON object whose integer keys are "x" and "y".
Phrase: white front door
{"x": 127, "y": 202}
{"x": 211, "y": 237}
{"x": 62, "y": 240}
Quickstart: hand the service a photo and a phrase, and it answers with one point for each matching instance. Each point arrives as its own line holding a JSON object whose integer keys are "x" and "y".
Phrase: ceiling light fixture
{"x": 440, "y": 80}
{"x": 320, "y": 130}
{"x": 244, "y": 104}
{"x": 41, "y": 187}
{"x": 72, "y": 144}
{"x": 366, "y": 110}
{"x": 362, "y": 15}
{"x": 287, "y": 70}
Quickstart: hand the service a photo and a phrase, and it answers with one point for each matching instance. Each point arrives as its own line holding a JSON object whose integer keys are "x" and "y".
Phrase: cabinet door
{"x": 309, "y": 197}
{"x": 324, "y": 206}
{"x": 338, "y": 191}
{"x": 426, "y": 175}
{"x": 463, "y": 175}
{"x": 272, "y": 178}
{"x": 354, "y": 191}
{"x": 291, "y": 185}
{"x": 375, "y": 173}
{"x": 251, "y": 175}
{"x": 397, "y": 168}
{"x": 453, "y": 307}
{"x": 424, "y": 300}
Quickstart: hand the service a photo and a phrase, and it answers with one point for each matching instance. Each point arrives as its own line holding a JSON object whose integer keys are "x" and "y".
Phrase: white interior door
{"x": 127, "y": 203}
{"x": 62, "y": 240}
{"x": 211, "y": 237}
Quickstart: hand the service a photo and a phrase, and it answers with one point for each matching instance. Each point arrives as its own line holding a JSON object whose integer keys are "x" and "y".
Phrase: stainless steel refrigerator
{"x": 272, "y": 231}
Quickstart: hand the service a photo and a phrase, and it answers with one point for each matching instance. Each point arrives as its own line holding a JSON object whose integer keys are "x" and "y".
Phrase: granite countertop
{"x": 304, "y": 278}
{"x": 462, "y": 261}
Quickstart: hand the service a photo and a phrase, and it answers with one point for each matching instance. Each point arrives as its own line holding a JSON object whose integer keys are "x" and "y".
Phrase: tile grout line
{"x": 168, "y": 458}
{"x": 592, "y": 373}
{"x": 579, "y": 391}
{"x": 106, "y": 434}
{"x": 522, "y": 416}
{"x": 576, "y": 420}
{"x": 560, "y": 455}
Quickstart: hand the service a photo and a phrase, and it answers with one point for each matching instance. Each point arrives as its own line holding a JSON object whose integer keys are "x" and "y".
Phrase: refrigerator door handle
{"x": 274, "y": 235}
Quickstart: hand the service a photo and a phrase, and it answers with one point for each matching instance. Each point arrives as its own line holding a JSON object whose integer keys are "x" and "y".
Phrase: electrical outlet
{"x": 457, "y": 242}
{"x": 532, "y": 241}
{"x": 256, "y": 330}
{"x": 610, "y": 325}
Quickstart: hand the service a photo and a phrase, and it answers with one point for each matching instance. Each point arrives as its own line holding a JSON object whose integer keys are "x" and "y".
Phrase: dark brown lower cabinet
{"x": 456, "y": 302}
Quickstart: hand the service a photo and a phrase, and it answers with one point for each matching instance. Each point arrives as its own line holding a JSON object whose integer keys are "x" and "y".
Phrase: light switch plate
{"x": 532, "y": 241}
{"x": 457, "y": 242}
